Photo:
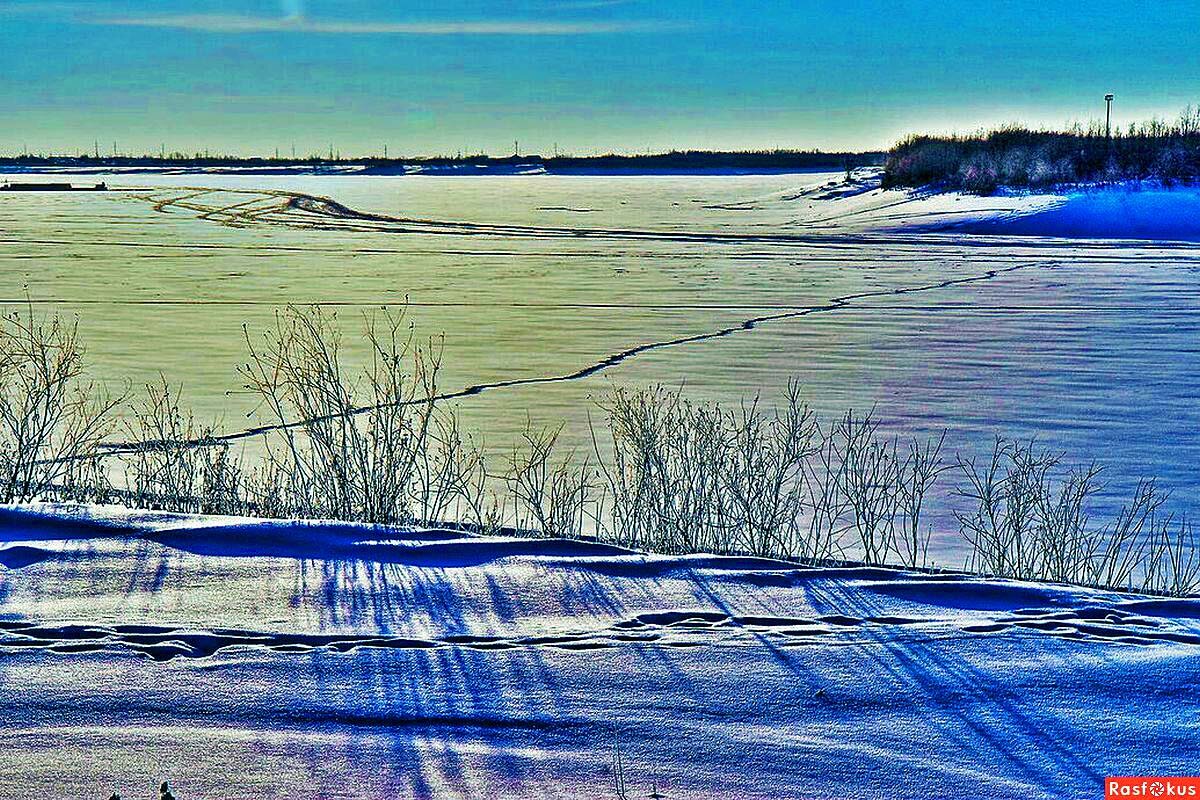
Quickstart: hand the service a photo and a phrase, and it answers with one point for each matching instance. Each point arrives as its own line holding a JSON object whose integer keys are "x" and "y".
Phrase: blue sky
{"x": 248, "y": 76}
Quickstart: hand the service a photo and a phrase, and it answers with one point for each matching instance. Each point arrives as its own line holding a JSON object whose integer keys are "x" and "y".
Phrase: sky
{"x": 584, "y": 76}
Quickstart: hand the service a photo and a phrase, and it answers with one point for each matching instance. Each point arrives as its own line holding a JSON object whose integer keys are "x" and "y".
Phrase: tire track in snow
{"x": 339, "y": 217}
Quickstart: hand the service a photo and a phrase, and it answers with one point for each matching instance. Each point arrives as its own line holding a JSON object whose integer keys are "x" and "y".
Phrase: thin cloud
{"x": 576, "y": 5}
{"x": 227, "y": 23}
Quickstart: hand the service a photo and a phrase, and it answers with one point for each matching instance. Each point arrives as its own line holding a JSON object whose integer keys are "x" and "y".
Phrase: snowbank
{"x": 1127, "y": 211}
{"x": 283, "y": 659}
{"x": 1116, "y": 213}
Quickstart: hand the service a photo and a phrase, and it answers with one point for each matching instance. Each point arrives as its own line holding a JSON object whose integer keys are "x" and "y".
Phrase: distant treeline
{"x": 697, "y": 160}
{"x": 1022, "y": 158}
{"x": 714, "y": 160}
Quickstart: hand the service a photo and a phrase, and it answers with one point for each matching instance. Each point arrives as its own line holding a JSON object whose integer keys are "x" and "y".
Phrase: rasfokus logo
{"x": 1153, "y": 787}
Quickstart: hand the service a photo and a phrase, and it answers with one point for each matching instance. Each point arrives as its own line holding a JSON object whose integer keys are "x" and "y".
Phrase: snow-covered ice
{"x": 241, "y": 658}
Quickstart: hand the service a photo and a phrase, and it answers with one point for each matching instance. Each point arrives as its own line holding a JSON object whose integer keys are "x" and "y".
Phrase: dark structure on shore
{"x": 51, "y": 187}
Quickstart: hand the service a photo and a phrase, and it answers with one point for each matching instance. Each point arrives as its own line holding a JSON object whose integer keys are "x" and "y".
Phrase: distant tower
{"x": 1108, "y": 98}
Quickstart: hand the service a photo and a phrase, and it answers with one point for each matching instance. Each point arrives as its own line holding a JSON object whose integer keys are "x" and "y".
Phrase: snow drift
{"x": 1112, "y": 213}
{"x": 241, "y": 658}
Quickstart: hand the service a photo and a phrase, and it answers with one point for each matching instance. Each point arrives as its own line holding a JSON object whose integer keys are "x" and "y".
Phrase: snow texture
{"x": 1126, "y": 212}
{"x": 242, "y": 658}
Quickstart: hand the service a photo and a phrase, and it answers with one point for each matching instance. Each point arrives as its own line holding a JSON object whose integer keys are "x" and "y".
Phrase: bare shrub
{"x": 370, "y": 445}
{"x": 871, "y": 484}
{"x": 331, "y": 458}
{"x": 1172, "y": 563}
{"x": 167, "y": 470}
{"x": 221, "y": 482}
{"x": 663, "y": 480}
{"x": 1002, "y": 525}
{"x": 918, "y": 473}
{"x": 620, "y": 786}
{"x": 826, "y": 501}
{"x": 51, "y": 418}
{"x": 1119, "y": 552}
{"x": 686, "y": 477}
{"x": 1030, "y": 521}
{"x": 883, "y": 488}
{"x": 86, "y": 480}
{"x": 552, "y": 495}
{"x": 767, "y": 476}
{"x": 676, "y": 476}
{"x": 1015, "y": 156}
{"x": 980, "y": 174}
{"x": 268, "y": 487}
{"x": 452, "y": 481}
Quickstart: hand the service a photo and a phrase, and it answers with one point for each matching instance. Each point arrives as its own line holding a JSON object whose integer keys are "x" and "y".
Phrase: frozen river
{"x": 1088, "y": 345}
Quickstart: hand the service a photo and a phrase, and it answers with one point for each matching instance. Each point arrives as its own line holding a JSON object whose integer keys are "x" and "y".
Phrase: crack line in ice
{"x": 835, "y": 304}
{"x": 325, "y": 205}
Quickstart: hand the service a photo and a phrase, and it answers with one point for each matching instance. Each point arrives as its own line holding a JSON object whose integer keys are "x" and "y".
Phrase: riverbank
{"x": 437, "y": 664}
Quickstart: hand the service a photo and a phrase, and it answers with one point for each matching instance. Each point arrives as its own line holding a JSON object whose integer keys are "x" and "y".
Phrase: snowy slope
{"x": 257, "y": 659}
{"x": 1122, "y": 212}
{"x": 1130, "y": 211}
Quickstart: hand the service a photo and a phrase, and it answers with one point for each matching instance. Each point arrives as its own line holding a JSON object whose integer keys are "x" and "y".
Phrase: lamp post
{"x": 1108, "y": 98}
